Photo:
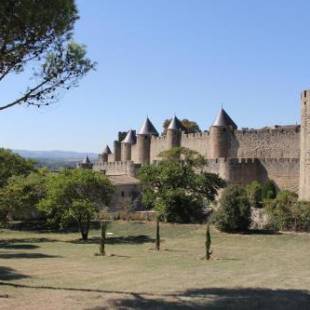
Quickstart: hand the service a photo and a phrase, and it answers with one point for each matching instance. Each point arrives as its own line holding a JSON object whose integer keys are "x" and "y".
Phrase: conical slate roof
{"x": 107, "y": 150}
{"x": 148, "y": 128}
{"x": 175, "y": 124}
{"x": 130, "y": 137}
{"x": 86, "y": 160}
{"x": 224, "y": 120}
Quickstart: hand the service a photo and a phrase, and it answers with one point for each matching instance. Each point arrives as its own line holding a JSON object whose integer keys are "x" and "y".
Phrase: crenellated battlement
{"x": 237, "y": 155}
{"x": 197, "y": 135}
{"x": 276, "y": 130}
{"x": 117, "y": 168}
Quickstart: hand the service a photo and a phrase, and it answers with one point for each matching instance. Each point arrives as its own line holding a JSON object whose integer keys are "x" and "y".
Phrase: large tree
{"x": 178, "y": 187}
{"x": 76, "y": 194}
{"x": 36, "y": 39}
{"x": 188, "y": 126}
{"x": 13, "y": 164}
{"x": 21, "y": 195}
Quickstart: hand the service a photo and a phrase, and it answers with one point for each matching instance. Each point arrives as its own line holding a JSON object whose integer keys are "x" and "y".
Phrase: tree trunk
{"x": 103, "y": 238}
{"x": 157, "y": 244}
{"x": 208, "y": 243}
{"x": 84, "y": 229}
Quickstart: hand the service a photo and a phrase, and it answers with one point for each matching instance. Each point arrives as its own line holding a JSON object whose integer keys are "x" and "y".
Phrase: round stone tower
{"x": 220, "y": 135}
{"x": 174, "y": 133}
{"x": 126, "y": 145}
{"x": 117, "y": 150}
{"x": 144, "y": 138}
{"x": 304, "y": 176}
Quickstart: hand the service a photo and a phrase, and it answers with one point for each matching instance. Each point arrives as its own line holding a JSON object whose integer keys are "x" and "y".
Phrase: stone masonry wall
{"x": 266, "y": 143}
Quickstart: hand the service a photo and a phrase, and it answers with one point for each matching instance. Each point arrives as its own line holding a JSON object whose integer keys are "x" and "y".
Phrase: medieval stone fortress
{"x": 278, "y": 153}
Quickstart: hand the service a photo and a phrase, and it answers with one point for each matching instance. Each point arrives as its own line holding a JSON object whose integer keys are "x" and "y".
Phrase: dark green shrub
{"x": 286, "y": 213}
{"x": 255, "y": 194}
{"x": 269, "y": 190}
{"x": 234, "y": 212}
{"x": 303, "y": 216}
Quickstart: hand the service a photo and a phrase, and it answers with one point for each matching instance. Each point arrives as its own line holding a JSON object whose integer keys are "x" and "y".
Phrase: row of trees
{"x": 64, "y": 198}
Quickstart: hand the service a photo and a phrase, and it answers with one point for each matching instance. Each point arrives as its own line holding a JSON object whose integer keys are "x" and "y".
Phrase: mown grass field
{"x": 57, "y": 271}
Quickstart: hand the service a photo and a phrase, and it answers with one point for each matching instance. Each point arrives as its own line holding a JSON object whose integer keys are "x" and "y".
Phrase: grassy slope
{"x": 56, "y": 271}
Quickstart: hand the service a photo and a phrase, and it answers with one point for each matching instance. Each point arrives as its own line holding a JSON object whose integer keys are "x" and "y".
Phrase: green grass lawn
{"x": 57, "y": 271}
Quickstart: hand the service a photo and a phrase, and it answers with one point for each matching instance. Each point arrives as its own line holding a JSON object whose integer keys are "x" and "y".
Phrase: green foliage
{"x": 234, "y": 212}
{"x": 287, "y": 213}
{"x": 177, "y": 187}
{"x": 21, "y": 195}
{"x": 13, "y": 164}
{"x": 76, "y": 194}
{"x": 121, "y": 136}
{"x": 39, "y": 33}
{"x": 188, "y": 126}
{"x": 269, "y": 190}
{"x": 255, "y": 194}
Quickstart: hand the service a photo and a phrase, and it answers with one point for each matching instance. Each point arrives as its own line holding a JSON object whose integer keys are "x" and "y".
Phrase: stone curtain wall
{"x": 199, "y": 142}
{"x": 266, "y": 143}
{"x": 284, "y": 172}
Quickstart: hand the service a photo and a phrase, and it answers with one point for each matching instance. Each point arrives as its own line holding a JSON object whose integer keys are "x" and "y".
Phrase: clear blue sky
{"x": 161, "y": 57}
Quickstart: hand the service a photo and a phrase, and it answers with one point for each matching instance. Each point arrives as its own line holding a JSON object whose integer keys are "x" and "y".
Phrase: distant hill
{"x": 56, "y": 159}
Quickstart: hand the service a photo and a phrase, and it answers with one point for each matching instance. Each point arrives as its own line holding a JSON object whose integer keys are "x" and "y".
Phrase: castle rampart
{"x": 279, "y": 153}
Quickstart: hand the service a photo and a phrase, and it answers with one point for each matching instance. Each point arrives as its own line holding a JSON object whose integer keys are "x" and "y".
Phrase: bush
{"x": 234, "y": 212}
{"x": 181, "y": 208}
{"x": 269, "y": 190}
{"x": 255, "y": 194}
{"x": 286, "y": 213}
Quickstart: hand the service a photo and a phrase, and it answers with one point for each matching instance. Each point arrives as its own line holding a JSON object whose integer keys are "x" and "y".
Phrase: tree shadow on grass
{"x": 13, "y": 246}
{"x": 7, "y": 274}
{"x": 140, "y": 239}
{"x": 26, "y": 240}
{"x": 219, "y": 298}
{"x": 262, "y": 232}
{"x": 26, "y": 255}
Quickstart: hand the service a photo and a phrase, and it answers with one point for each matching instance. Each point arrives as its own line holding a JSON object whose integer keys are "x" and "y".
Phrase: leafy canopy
{"x": 177, "y": 186}
{"x": 76, "y": 194}
{"x": 37, "y": 35}
{"x": 234, "y": 212}
{"x": 188, "y": 126}
{"x": 21, "y": 195}
{"x": 13, "y": 164}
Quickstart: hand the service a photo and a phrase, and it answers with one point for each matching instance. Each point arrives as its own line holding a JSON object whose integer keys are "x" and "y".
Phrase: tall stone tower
{"x": 117, "y": 150}
{"x": 174, "y": 133}
{"x": 220, "y": 135}
{"x": 144, "y": 141}
{"x": 126, "y": 145}
{"x": 304, "y": 176}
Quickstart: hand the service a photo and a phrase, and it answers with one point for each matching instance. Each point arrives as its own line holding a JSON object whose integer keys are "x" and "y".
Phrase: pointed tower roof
{"x": 224, "y": 120}
{"x": 130, "y": 137}
{"x": 148, "y": 128}
{"x": 175, "y": 124}
{"x": 86, "y": 160}
{"x": 107, "y": 150}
